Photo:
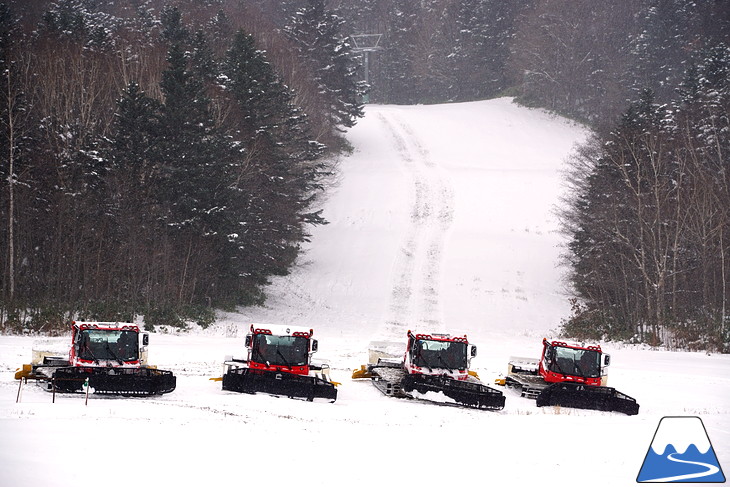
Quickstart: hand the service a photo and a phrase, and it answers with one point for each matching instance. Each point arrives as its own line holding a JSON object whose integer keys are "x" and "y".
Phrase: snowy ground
{"x": 441, "y": 220}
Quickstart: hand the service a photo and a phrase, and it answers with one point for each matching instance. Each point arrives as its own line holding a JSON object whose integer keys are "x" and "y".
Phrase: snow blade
{"x": 572, "y": 395}
{"x": 115, "y": 380}
{"x": 251, "y": 381}
{"x": 364, "y": 372}
{"x": 466, "y": 393}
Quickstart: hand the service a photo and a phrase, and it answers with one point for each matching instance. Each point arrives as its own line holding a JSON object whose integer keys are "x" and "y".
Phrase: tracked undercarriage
{"x": 115, "y": 380}
{"x": 568, "y": 375}
{"x": 105, "y": 357}
{"x": 394, "y": 381}
{"x": 279, "y": 362}
{"x": 278, "y": 383}
{"x": 435, "y": 369}
{"x": 570, "y": 394}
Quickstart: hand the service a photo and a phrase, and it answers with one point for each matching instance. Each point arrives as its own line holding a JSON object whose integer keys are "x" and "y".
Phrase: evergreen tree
{"x": 173, "y": 30}
{"x": 481, "y": 49}
{"x": 196, "y": 160}
{"x": 191, "y": 173}
{"x": 202, "y": 59}
{"x": 668, "y": 27}
{"x": 67, "y": 18}
{"x": 249, "y": 76}
{"x": 135, "y": 182}
{"x": 221, "y": 32}
{"x": 136, "y": 126}
{"x": 471, "y": 50}
{"x": 279, "y": 182}
{"x": 403, "y": 79}
{"x": 317, "y": 35}
{"x": 134, "y": 151}
{"x": 81, "y": 21}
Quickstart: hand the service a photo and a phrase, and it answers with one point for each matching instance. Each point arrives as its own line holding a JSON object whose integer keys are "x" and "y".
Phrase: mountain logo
{"x": 681, "y": 452}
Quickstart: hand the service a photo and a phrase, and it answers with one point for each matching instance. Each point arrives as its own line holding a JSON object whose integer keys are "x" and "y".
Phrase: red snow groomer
{"x": 279, "y": 362}
{"x": 568, "y": 374}
{"x": 435, "y": 368}
{"x": 111, "y": 356}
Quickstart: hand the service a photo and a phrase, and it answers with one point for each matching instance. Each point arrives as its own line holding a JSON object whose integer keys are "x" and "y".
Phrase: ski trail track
{"x": 416, "y": 285}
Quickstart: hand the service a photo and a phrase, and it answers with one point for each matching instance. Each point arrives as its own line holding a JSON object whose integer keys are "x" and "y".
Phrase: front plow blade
{"x": 251, "y": 381}
{"x": 580, "y": 396}
{"x": 115, "y": 380}
{"x": 465, "y": 393}
{"x": 364, "y": 372}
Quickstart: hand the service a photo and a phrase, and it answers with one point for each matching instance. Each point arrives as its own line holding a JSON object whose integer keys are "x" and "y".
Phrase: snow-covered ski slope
{"x": 440, "y": 220}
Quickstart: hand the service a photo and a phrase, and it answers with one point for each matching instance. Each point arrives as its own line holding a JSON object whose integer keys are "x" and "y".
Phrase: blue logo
{"x": 681, "y": 452}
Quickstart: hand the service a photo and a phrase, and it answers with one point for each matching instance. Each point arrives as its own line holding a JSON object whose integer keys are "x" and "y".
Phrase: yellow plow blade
{"x": 216, "y": 379}
{"x": 362, "y": 373}
{"x": 25, "y": 372}
{"x": 473, "y": 374}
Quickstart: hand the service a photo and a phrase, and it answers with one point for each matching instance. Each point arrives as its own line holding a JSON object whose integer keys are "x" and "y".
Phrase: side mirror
{"x": 145, "y": 339}
{"x": 315, "y": 345}
{"x": 249, "y": 339}
{"x": 473, "y": 351}
{"x": 606, "y": 360}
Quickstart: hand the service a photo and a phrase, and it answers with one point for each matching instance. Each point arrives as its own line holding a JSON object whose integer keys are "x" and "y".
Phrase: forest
{"x": 167, "y": 158}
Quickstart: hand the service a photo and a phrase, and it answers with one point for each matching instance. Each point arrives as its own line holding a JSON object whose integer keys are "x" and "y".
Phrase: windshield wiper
{"x": 109, "y": 348}
{"x": 446, "y": 366}
{"x": 430, "y": 368}
{"x": 286, "y": 362}
{"x": 93, "y": 357}
{"x": 577, "y": 367}
{"x": 84, "y": 348}
{"x": 260, "y": 356}
{"x": 557, "y": 365}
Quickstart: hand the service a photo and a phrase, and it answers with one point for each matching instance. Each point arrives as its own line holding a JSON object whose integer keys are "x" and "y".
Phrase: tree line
{"x": 165, "y": 158}
{"x": 156, "y": 161}
{"x": 648, "y": 218}
{"x": 583, "y": 59}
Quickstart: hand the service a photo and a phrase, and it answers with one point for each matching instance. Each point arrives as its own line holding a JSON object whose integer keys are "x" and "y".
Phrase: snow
{"x": 441, "y": 221}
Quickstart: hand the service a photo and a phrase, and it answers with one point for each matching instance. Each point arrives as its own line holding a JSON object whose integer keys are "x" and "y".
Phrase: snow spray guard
{"x": 681, "y": 452}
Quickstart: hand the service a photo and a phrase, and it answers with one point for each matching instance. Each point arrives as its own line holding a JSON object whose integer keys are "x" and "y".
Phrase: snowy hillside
{"x": 441, "y": 220}
{"x": 444, "y": 217}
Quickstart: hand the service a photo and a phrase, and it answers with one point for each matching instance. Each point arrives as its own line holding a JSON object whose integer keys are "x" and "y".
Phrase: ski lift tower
{"x": 365, "y": 44}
